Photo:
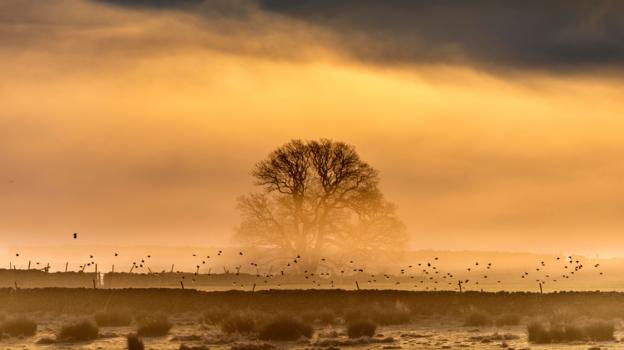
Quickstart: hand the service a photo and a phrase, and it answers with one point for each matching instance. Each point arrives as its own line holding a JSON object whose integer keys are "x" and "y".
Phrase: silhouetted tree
{"x": 317, "y": 197}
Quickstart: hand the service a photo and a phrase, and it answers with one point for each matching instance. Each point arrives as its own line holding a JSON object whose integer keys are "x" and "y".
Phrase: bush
{"x": 508, "y": 320}
{"x": 18, "y": 327}
{"x": 80, "y": 331}
{"x": 153, "y": 326}
{"x": 600, "y": 331}
{"x": 597, "y": 331}
{"x": 238, "y": 323}
{"x": 361, "y": 328}
{"x": 285, "y": 328}
{"x": 538, "y": 333}
{"x": 477, "y": 319}
{"x": 135, "y": 343}
{"x": 572, "y": 333}
{"x": 113, "y": 319}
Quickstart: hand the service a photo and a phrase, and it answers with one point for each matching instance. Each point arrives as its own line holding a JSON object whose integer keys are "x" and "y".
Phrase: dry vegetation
{"x": 18, "y": 327}
{"x": 134, "y": 342}
{"x": 551, "y": 318}
{"x": 82, "y": 330}
{"x": 361, "y": 328}
{"x": 283, "y": 328}
{"x": 561, "y": 333}
{"x": 239, "y": 322}
{"x": 157, "y": 325}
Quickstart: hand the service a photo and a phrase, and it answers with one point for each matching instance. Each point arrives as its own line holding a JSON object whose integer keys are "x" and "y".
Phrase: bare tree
{"x": 317, "y": 197}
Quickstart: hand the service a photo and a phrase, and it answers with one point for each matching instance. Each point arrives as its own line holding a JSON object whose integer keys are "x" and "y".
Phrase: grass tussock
{"x": 361, "y": 328}
{"x": 558, "y": 333}
{"x": 134, "y": 342}
{"x": 18, "y": 327}
{"x": 153, "y": 326}
{"x": 477, "y": 319}
{"x": 239, "y": 322}
{"x": 83, "y": 330}
{"x": 112, "y": 319}
{"x": 600, "y": 331}
{"x": 284, "y": 328}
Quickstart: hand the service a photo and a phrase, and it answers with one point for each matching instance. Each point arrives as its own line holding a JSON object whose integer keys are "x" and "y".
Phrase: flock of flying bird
{"x": 428, "y": 275}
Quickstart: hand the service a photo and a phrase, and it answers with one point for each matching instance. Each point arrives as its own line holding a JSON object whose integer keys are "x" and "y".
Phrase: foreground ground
{"x": 408, "y": 320}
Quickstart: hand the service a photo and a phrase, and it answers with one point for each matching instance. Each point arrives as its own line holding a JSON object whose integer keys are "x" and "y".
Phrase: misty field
{"x": 55, "y": 318}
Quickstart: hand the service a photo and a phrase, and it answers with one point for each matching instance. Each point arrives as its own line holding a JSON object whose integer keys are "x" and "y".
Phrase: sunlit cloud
{"x": 141, "y": 122}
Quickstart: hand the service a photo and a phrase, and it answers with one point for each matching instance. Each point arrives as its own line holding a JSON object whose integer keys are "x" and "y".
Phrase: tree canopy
{"x": 317, "y": 198}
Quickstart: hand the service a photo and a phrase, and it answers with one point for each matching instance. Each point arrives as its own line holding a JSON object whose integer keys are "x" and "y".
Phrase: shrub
{"x": 508, "y": 320}
{"x": 285, "y": 328}
{"x": 361, "y": 328}
{"x": 135, "y": 343}
{"x": 19, "y": 326}
{"x": 538, "y": 333}
{"x": 477, "y": 319}
{"x": 113, "y": 319}
{"x": 597, "y": 331}
{"x": 238, "y": 323}
{"x": 79, "y": 331}
{"x": 600, "y": 331}
{"x": 572, "y": 333}
{"x": 153, "y": 326}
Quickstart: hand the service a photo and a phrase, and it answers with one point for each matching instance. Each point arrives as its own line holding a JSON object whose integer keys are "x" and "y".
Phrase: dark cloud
{"x": 486, "y": 32}
{"x": 225, "y": 8}
{"x": 545, "y": 35}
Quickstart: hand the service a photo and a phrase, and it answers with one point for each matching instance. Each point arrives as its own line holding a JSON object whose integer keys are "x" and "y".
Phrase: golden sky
{"x": 134, "y": 125}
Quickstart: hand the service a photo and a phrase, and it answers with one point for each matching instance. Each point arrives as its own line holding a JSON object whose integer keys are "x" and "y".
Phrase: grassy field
{"x": 169, "y": 318}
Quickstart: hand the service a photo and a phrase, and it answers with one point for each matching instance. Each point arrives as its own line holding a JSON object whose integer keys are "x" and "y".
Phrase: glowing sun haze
{"x": 139, "y": 124}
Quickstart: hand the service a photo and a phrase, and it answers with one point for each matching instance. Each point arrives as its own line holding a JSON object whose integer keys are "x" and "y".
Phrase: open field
{"x": 233, "y": 319}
